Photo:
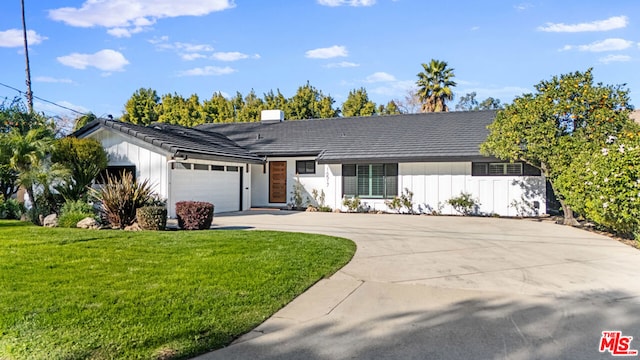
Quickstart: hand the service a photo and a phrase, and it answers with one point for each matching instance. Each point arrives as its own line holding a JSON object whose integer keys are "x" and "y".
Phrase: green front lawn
{"x": 77, "y": 294}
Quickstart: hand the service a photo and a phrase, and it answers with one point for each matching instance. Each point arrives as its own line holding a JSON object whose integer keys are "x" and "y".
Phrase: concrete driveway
{"x": 424, "y": 287}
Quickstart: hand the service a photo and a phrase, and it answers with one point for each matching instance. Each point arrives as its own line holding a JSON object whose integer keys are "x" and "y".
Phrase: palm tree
{"x": 434, "y": 86}
{"x": 26, "y": 153}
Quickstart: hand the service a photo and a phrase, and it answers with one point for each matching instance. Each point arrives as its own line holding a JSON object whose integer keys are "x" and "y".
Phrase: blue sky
{"x": 92, "y": 55}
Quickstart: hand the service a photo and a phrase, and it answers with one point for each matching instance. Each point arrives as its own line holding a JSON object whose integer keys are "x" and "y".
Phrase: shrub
{"x": 464, "y": 204}
{"x": 404, "y": 201}
{"x": 85, "y": 158}
{"x": 152, "y": 217}
{"x": 121, "y": 196}
{"x": 74, "y": 211}
{"x": 11, "y": 209}
{"x": 194, "y": 215}
{"x": 604, "y": 185}
{"x": 353, "y": 204}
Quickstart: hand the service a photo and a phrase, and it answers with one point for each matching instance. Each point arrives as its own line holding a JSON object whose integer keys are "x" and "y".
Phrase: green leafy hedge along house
{"x": 237, "y": 166}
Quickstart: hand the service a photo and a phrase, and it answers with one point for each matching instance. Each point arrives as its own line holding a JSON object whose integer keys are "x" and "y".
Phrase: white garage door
{"x": 219, "y": 185}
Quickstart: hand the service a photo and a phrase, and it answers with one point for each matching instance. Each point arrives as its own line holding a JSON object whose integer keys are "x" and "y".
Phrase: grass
{"x": 77, "y": 294}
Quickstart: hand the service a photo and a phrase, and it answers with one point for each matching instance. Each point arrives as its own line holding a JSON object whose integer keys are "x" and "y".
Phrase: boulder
{"x": 50, "y": 220}
{"x": 88, "y": 223}
{"x": 133, "y": 227}
{"x": 337, "y": 210}
{"x": 311, "y": 209}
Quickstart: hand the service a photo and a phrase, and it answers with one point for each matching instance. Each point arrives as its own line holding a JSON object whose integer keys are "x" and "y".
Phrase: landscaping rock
{"x": 337, "y": 211}
{"x": 50, "y": 220}
{"x": 133, "y": 227}
{"x": 311, "y": 209}
{"x": 88, "y": 223}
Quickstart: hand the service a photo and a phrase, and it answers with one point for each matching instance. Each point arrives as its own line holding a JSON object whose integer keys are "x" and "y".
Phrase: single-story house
{"x": 237, "y": 166}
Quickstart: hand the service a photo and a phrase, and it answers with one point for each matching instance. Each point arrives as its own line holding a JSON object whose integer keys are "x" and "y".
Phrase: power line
{"x": 44, "y": 100}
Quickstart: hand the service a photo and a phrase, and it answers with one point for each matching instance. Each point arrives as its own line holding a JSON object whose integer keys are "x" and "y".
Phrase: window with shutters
{"x": 370, "y": 180}
{"x": 503, "y": 169}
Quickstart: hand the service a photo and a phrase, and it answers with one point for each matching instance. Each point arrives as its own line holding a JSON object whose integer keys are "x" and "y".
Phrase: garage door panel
{"x": 221, "y": 188}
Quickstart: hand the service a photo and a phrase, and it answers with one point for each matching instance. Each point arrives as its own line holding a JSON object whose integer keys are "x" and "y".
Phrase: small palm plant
{"x": 121, "y": 196}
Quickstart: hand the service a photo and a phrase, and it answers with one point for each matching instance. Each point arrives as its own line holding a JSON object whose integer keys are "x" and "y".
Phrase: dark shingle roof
{"x": 179, "y": 141}
{"x": 403, "y": 138}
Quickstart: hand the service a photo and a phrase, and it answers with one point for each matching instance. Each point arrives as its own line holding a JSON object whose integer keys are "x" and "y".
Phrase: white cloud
{"x": 208, "y": 71}
{"x": 614, "y": 58}
{"x": 106, "y": 60}
{"x": 229, "y": 56}
{"x": 354, "y": 3}
{"x": 614, "y": 44}
{"x": 192, "y": 56}
{"x": 49, "y": 79}
{"x": 14, "y": 38}
{"x": 186, "y": 51}
{"x": 615, "y": 22}
{"x": 327, "y": 53}
{"x": 380, "y": 77}
{"x": 475, "y": 28}
{"x": 125, "y": 17}
{"x": 342, "y": 64}
{"x": 394, "y": 89}
{"x": 523, "y": 6}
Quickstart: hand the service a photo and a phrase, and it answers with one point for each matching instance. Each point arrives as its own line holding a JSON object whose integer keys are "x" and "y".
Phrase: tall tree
{"x": 358, "y": 104}
{"x": 566, "y": 115}
{"x": 467, "y": 102}
{"x": 250, "y": 112}
{"x": 490, "y": 104}
{"x": 175, "y": 109}
{"x": 276, "y": 101}
{"x": 218, "y": 109}
{"x": 142, "y": 107}
{"x": 26, "y": 57}
{"x": 435, "y": 86}
{"x": 390, "y": 109}
{"x": 310, "y": 103}
{"x": 27, "y": 152}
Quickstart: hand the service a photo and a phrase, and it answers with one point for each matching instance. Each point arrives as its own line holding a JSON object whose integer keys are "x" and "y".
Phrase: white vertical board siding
{"x": 309, "y": 182}
{"x": 221, "y": 188}
{"x": 433, "y": 184}
{"x": 149, "y": 163}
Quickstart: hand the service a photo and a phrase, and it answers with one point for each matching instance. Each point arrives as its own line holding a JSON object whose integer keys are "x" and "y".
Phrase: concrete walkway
{"x": 424, "y": 287}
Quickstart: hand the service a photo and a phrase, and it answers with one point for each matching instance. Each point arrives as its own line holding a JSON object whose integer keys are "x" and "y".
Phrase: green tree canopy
{"x": 142, "y": 107}
{"x": 566, "y": 115}
{"x": 310, "y": 103}
{"x": 435, "y": 85}
{"x": 390, "y": 109}
{"x": 218, "y": 109}
{"x": 84, "y": 158}
{"x": 358, "y": 104}
{"x": 251, "y": 109}
{"x": 175, "y": 109}
{"x": 83, "y": 120}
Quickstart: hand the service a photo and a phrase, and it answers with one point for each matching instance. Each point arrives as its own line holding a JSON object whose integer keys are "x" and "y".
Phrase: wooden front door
{"x": 278, "y": 182}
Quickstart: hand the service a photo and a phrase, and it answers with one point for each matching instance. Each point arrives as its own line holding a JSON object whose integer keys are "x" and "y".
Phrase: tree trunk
{"x": 34, "y": 207}
{"x": 26, "y": 56}
{"x": 569, "y": 219}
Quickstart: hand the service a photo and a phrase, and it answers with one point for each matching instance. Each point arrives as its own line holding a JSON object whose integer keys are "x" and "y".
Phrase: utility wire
{"x": 44, "y": 100}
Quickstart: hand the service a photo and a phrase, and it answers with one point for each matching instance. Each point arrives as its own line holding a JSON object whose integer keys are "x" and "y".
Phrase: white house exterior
{"x": 243, "y": 165}
{"x": 176, "y": 175}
